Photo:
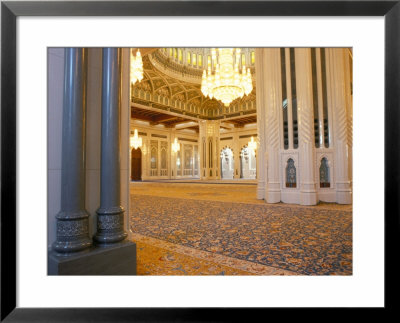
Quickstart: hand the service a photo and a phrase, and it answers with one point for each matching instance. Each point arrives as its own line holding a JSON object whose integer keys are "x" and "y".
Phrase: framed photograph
{"x": 366, "y": 31}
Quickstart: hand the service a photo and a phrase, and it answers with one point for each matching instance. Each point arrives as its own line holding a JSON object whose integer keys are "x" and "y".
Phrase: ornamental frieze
{"x": 72, "y": 228}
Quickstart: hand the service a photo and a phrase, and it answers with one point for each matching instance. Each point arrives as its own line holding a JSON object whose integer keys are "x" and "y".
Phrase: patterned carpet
{"x": 222, "y": 193}
{"x": 301, "y": 240}
{"x": 159, "y": 261}
{"x": 158, "y": 257}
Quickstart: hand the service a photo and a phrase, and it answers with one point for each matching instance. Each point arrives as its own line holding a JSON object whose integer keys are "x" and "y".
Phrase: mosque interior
{"x": 227, "y": 161}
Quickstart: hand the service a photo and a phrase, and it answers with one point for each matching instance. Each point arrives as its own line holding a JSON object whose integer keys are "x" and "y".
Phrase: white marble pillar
{"x": 236, "y": 155}
{"x": 217, "y": 157}
{"x": 173, "y": 154}
{"x": 261, "y": 120}
{"x": 273, "y": 104}
{"x": 202, "y": 149}
{"x": 209, "y": 131}
{"x": 304, "y": 90}
{"x": 349, "y": 107}
{"x": 337, "y": 88}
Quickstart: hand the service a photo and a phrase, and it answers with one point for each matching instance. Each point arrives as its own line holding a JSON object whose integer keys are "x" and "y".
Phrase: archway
{"x": 136, "y": 164}
{"x": 227, "y": 163}
{"x": 247, "y": 163}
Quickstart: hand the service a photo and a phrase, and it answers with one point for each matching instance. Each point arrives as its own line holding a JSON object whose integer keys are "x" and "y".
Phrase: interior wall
{"x": 125, "y": 126}
{"x": 55, "y": 68}
{"x": 168, "y": 135}
{"x": 236, "y": 139}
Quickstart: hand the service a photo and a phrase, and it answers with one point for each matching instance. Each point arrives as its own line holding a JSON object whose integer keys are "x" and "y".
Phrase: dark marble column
{"x": 73, "y": 219}
{"x": 110, "y": 215}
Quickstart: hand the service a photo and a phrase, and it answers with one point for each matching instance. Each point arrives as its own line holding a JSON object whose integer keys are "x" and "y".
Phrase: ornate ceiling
{"x": 178, "y": 82}
{"x": 159, "y": 83}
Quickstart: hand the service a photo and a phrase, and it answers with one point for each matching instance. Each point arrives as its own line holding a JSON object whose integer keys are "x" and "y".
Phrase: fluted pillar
{"x": 273, "y": 102}
{"x": 217, "y": 156}
{"x": 173, "y": 154}
{"x": 73, "y": 219}
{"x": 209, "y": 149}
{"x": 349, "y": 104}
{"x": 260, "y": 105}
{"x": 110, "y": 215}
{"x": 145, "y": 157}
{"x": 236, "y": 155}
{"x": 339, "y": 107}
{"x": 202, "y": 149}
{"x": 308, "y": 194}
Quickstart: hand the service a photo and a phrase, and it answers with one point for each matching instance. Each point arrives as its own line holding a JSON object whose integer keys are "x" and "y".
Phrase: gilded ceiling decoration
{"x": 182, "y": 93}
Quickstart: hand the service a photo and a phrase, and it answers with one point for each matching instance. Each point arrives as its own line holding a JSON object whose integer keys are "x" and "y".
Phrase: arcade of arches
{"x": 217, "y": 205}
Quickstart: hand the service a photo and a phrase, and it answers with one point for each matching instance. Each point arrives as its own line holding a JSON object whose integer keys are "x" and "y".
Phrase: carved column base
{"x": 110, "y": 225}
{"x": 343, "y": 193}
{"x": 274, "y": 192}
{"x": 72, "y": 232}
{"x": 308, "y": 197}
{"x": 260, "y": 191}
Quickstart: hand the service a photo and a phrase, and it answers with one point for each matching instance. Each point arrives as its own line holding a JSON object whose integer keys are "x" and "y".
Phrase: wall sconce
{"x": 176, "y": 146}
{"x": 136, "y": 141}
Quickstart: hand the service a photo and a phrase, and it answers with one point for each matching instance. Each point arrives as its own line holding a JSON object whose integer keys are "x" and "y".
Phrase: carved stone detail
{"x": 273, "y": 100}
{"x": 113, "y": 222}
{"x": 110, "y": 227}
{"x": 72, "y": 228}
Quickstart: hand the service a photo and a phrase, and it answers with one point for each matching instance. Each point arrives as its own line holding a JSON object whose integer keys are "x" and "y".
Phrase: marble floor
{"x": 193, "y": 228}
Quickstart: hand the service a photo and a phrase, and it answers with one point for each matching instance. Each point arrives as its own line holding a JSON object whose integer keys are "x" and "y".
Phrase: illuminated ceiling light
{"x": 136, "y": 67}
{"x": 225, "y": 82}
{"x": 176, "y": 146}
{"x": 136, "y": 141}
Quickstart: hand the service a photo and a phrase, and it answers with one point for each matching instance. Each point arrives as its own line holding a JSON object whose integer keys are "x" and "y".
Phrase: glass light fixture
{"x": 136, "y": 67}
{"x": 225, "y": 82}
{"x": 252, "y": 145}
{"x": 176, "y": 146}
{"x": 136, "y": 141}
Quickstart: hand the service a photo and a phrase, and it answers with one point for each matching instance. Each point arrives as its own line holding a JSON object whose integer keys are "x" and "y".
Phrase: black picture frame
{"x": 10, "y": 10}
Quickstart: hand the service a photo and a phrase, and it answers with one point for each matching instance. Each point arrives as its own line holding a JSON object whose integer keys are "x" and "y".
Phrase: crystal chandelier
{"x": 176, "y": 146}
{"x": 252, "y": 145}
{"x": 136, "y": 67}
{"x": 225, "y": 82}
{"x": 136, "y": 141}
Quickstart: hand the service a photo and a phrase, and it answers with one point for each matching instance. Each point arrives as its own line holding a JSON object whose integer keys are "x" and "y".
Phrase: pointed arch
{"x": 324, "y": 173}
{"x": 227, "y": 163}
{"x": 291, "y": 174}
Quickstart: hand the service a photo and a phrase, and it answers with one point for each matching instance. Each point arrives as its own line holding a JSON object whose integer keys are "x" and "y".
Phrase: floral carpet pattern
{"x": 302, "y": 240}
{"x": 160, "y": 262}
{"x": 158, "y": 257}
